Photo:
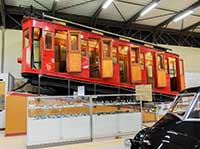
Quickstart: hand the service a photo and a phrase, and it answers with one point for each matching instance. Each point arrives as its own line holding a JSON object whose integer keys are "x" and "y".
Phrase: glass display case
{"x": 85, "y": 118}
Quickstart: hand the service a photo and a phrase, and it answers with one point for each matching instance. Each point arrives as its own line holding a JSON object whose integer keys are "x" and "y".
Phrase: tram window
{"x": 160, "y": 60}
{"x": 133, "y": 56}
{"x": 26, "y": 38}
{"x": 74, "y": 42}
{"x": 123, "y": 63}
{"x": 60, "y": 50}
{"x": 57, "y": 54}
{"x": 83, "y": 47}
{"x": 36, "y": 54}
{"x": 149, "y": 64}
{"x": 142, "y": 60}
{"x": 106, "y": 49}
{"x": 48, "y": 40}
{"x": 172, "y": 67}
{"x": 114, "y": 54}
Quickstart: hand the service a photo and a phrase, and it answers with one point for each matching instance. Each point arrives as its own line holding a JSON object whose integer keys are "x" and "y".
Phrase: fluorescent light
{"x": 149, "y": 8}
{"x": 106, "y": 4}
{"x": 183, "y": 15}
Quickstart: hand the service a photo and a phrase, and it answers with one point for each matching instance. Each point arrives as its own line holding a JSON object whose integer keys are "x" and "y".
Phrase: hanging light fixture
{"x": 183, "y": 15}
{"x": 149, "y": 8}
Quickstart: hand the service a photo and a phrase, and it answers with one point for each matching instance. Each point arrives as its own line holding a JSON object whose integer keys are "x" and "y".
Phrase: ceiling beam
{"x": 166, "y": 22}
{"x": 75, "y": 5}
{"x": 137, "y": 15}
{"x": 12, "y": 10}
{"x": 53, "y": 8}
{"x": 41, "y": 5}
{"x": 193, "y": 26}
{"x": 96, "y": 14}
{"x": 120, "y": 13}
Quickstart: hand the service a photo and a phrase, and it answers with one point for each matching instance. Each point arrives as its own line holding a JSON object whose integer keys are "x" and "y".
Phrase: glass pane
{"x": 149, "y": 64}
{"x": 106, "y": 49}
{"x": 36, "y": 48}
{"x": 57, "y": 54}
{"x": 172, "y": 67}
{"x": 48, "y": 39}
{"x": 142, "y": 60}
{"x": 123, "y": 63}
{"x": 182, "y": 104}
{"x": 133, "y": 56}
{"x": 74, "y": 42}
{"x": 60, "y": 50}
{"x": 26, "y": 38}
{"x": 195, "y": 112}
{"x": 160, "y": 61}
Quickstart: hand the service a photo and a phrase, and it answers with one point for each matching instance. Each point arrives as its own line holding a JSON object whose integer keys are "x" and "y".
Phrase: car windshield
{"x": 182, "y": 104}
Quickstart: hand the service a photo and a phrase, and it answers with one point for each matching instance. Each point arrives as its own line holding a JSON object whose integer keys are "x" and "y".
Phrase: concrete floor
{"x": 19, "y": 142}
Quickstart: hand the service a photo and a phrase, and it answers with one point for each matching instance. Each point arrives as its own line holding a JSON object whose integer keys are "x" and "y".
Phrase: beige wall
{"x": 191, "y": 57}
{"x": 13, "y": 50}
{"x": 13, "y": 44}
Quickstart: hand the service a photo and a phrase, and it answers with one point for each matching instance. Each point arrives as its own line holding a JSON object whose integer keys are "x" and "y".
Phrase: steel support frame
{"x": 138, "y": 31}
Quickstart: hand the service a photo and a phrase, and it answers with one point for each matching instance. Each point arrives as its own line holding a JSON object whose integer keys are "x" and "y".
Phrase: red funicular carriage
{"x": 66, "y": 57}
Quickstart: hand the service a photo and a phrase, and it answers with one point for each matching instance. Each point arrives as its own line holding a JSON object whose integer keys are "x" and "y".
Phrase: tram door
{"x": 161, "y": 78}
{"x": 149, "y": 68}
{"x": 173, "y": 73}
{"x": 60, "y": 51}
{"x": 74, "y": 53}
{"x": 106, "y": 58}
{"x": 136, "y": 72}
{"x": 123, "y": 63}
{"x": 94, "y": 57}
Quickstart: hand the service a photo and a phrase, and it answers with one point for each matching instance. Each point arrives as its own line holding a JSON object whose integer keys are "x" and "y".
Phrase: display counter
{"x": 54, "y": 120}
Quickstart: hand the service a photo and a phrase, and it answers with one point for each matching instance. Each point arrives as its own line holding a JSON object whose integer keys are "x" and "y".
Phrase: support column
{"x": 3, "y": 19}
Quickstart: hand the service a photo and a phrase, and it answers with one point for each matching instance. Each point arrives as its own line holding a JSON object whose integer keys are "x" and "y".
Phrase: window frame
{"x": 33, "y": 48}
{"x": 78, "y": 33}
{"x": 106, "y": 40}
{"x": 161, "y": 62}
{"x": 194, "y": 102}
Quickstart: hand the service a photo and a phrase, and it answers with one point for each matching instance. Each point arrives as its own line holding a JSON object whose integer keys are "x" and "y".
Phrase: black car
{"x": 178, "y": 129}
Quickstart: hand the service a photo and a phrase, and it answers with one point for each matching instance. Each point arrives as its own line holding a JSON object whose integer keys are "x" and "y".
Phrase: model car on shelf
{"x": 177, "y": 129}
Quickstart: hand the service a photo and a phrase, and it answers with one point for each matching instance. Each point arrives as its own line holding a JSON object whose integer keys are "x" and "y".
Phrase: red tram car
{"x": 64, "y": 52}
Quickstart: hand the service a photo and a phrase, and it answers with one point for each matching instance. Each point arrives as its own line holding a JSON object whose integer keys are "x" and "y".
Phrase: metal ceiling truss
{"x": 53, "y": 8}
{"x": 137, "y": 15}
{"x": 138, "y": 31}
{"x": 191, "y": 27}
{"x": 75, "y": 5}
{"x": 96, "y": 14}
{"x": 39, "y": 3}
{"x": 119, "y": 12}
{"x": 166, "y": 22}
